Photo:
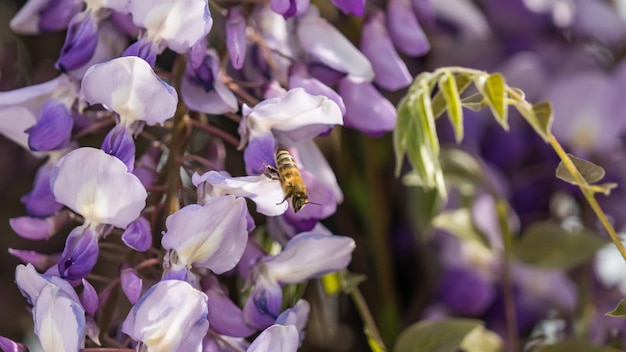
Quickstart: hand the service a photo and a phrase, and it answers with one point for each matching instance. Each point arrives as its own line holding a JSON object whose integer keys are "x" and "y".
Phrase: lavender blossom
{"x": 326, "y": 45}
{"x": 211, "y": 236}
{"x": 405, "y": 30}
{"x": 38, "y": 16}
{"x": 202, "y": 88}
{"x": 236, "y": 36}
{"x": 295, "y": 117}
{"x": 128, "y": 86}
{"x": 161, "y": 21}
{"x": 391, "y": 72}
{"x": 375, "y": 118}
{"x": 150, "y": 321}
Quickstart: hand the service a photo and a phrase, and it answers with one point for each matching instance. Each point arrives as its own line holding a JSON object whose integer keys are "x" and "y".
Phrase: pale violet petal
{"x": 309, "y": 255}
{"x": 324, "y": 43}
{"x": 276, "y": 338}
{"x": 211, "y": 236}
{"x": 178, "y": 23}
{"x": 128, "y": 86}
{"x": 265, "y": 192}
{"x": 161, "y": 308}
{"x": 62, "y": 88}
{"x": 26, "y": 20}
{"x": 90, "y": 182}
{"x": 59, "y": 320}
{"x": 297, "y": 109}
{"x": 14, "y": 120}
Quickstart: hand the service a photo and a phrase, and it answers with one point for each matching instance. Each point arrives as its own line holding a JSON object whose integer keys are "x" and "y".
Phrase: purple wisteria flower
{"x": 38, "y": 16}
{"x": 236, "y": 36}
{"x": 60, "y": 322}
{"x": 161, "y": 26}
{"x": 307, "y": 255}
{"x": 211, "y": 236}
{"x": 202, "y": 88}
{"x": 161, "y": 308}
{"x": 89, "y": 181}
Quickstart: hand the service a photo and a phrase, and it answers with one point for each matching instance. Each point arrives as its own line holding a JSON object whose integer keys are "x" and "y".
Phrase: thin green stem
{"x": 369, "y": 325}
{"x": 589, "y": 195}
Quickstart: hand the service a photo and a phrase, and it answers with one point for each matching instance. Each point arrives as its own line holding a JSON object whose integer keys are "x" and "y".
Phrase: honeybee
{"x": 286, "y": 171}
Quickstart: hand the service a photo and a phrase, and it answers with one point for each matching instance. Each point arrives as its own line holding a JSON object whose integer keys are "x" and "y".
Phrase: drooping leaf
{"x": 459, "y": 223}
{"x": 550, "y": 246}
{"x": 447, "y": 86}
{"x": 619, "y": 311}
{"x": 461, "y": 80}
{"x": 543, "y": 117}
{"x": 493, "y": 89}
{"x": 590, "y": 172}
{"x": 474, "y": 102}
{"x": 435, "y": 336}
{"x": 575, "y": 345}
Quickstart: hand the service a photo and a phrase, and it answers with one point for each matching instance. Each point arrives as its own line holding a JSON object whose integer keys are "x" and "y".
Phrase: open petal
{"x": 151, "y": 320}
{"x": 90, "y": 182}
{"x": 177, "y": 23}
{"x": 211, "y": 236}
{"x": 324, "y": 43}
{"x": 128, "y": 86}
{"x": 265, "y": 192}
{"x": 276, "y": 338}
{"x": 292, "y": 113}
{"x": 310, "y": 255}
{"x": 59, "y": 320}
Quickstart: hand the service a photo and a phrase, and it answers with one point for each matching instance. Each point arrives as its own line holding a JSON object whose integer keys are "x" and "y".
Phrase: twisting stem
{"x": 589, "y": 195}
{"x": 215, "y": 131}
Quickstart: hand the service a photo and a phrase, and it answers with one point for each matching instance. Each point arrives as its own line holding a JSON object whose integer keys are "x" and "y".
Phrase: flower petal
{"x": 324, "y": 43}
{"x": 310, "y": 255}
{"x": 59, "y": 320}
{"x": 128, "y": 86}
{"x": 89, "y": 181}
{"x": 211, "y": 236}
{"x": 265, "y": 192}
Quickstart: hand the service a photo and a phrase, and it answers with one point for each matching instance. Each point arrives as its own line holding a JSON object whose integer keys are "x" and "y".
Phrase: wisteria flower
{"x": 128, "y": 86}
{"x": 38, "y": 16}
{"x": 211, "y": 236}
{"x": 202, "y": 88}
{"x": 307, "y": 255}
{"x": 296, "y": 116}
{"x": 326, "y": 45}
{"x": 161, "y": 308}
{"x": 175, "y": 24}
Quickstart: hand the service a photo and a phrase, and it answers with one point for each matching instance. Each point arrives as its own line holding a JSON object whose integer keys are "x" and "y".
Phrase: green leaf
{"x": 474, "y": 102}
{"x": 493, "y": 89}
{"x": 543, "y": 117}
{"x": 459, "y": 223}
{"x": 550, "y": 246}
{"x": 575, "y": 345}
{"x": 447, "y": 86}
{"x": 435, "y": 336}
{"x": 439, "y": 103}
{"x": 590, "y": 172}
{"x": 619, "y": 311}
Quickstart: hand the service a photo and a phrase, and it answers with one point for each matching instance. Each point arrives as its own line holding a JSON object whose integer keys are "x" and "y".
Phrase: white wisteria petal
{"x": 91, "y": 183}
{"x": 128, "y": 86}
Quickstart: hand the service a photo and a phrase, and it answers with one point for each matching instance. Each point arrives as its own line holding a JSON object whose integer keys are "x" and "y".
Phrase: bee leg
{"x": 284, "y": 199}
{"x": 272, "y": 172}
